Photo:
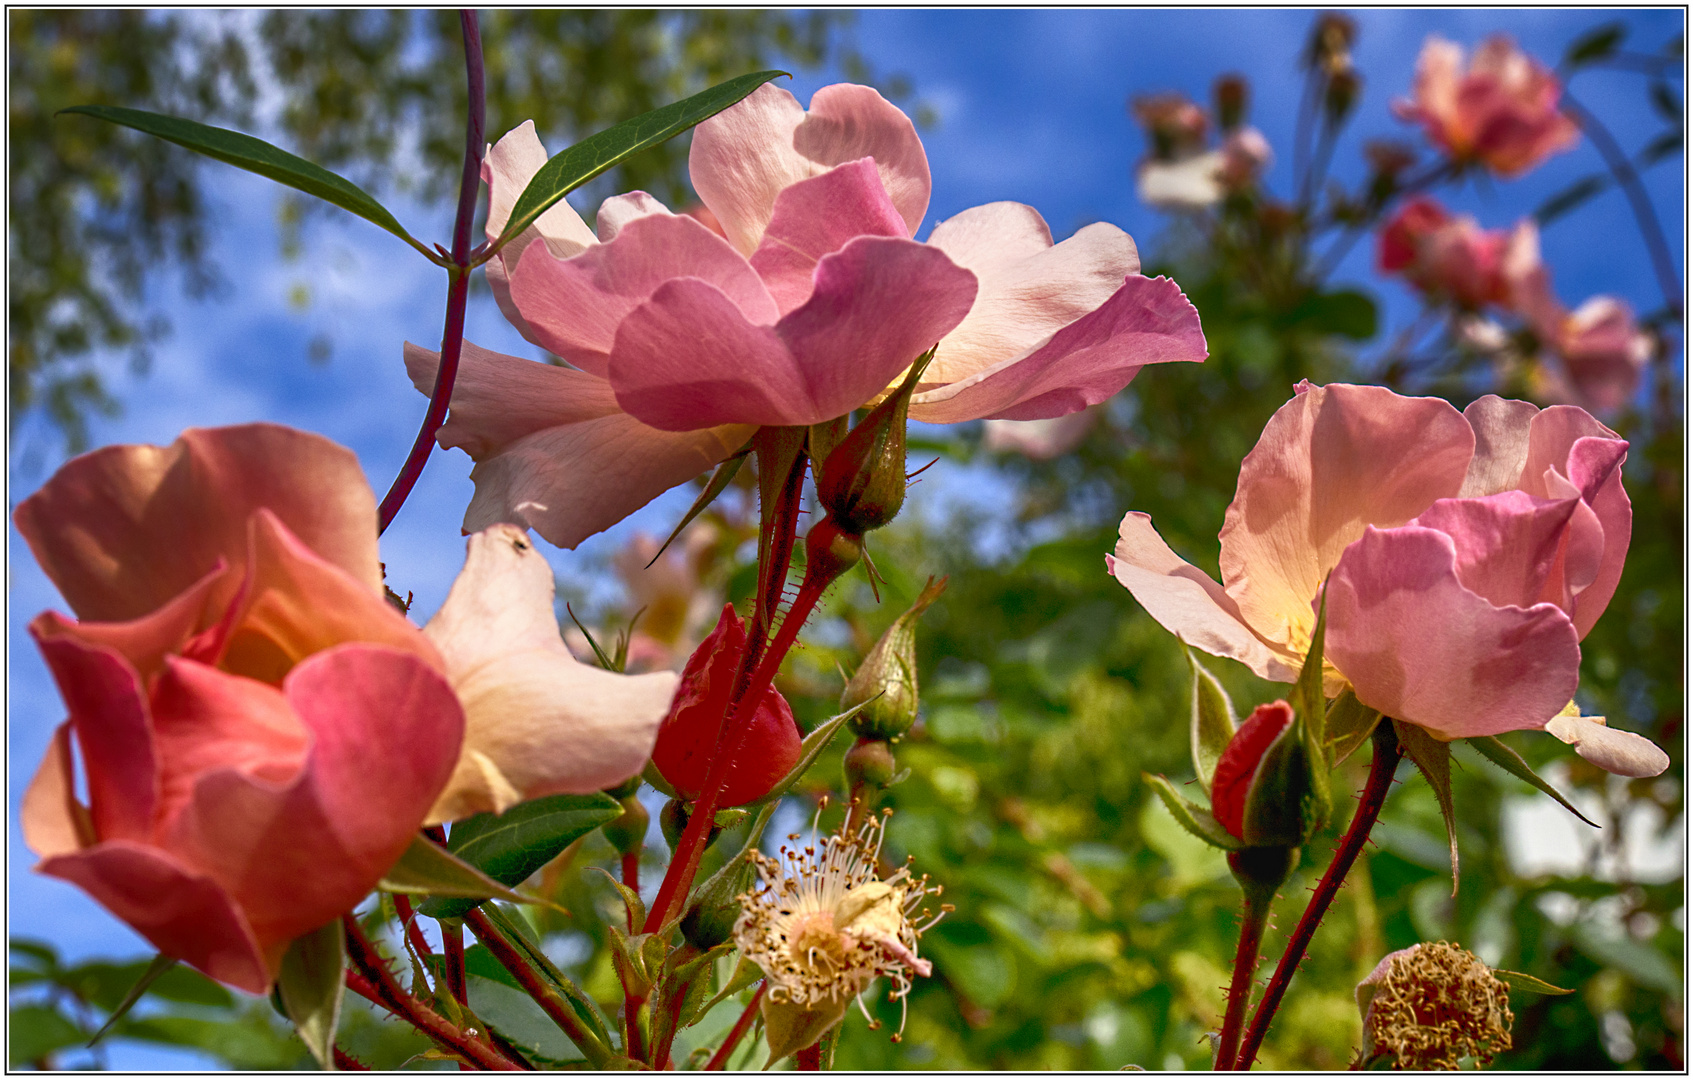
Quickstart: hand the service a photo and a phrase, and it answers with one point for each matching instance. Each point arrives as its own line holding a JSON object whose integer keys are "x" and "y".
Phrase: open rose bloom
{"x": 1502, "y": 110}
{"x": 1454, "y": 258}
{"x": 808, "y": 299}
{"x": 1466, "y": 555}
{"x": 260, "y": 732}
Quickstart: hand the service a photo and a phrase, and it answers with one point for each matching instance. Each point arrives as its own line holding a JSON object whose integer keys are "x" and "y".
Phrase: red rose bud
{"x": 688, "y": 737}
{"x": 1266, "y": 791}
{"x": 862, "y": 481}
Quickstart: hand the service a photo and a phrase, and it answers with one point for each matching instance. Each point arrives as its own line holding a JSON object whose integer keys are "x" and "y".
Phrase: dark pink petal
{"x": 1146, "y": 321}
{"x": 688, "y": 358}
{"x": 574, "y": 306}
{"x": 53, "y": 821}
{"x": 125, "y": 529}
{"x": 184, "y": 913}
{"x": 816, "y": 217}
{"x": 1507, "y": 544}
{"x": 1420, "y": 647}
{"x": 1595, "y": 469}
{"x": 108, "y": 711}
{"x": 386, "y": 730}
{"x": 173, "y": 628}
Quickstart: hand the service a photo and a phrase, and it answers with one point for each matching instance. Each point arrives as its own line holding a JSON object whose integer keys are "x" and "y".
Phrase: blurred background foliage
{"x": 1091, "y": 931}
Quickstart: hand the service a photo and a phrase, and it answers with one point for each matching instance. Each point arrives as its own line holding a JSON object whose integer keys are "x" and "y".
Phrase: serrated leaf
{"x": 1491, "y": 748}
{"x": 568, "y": 170}
{"x": 1349, "y": 725}
{"x": 1570, "y": 198}
{"x": 1191, "y": 816}
{"x": 745, "y": 974}
{"x": 157, "y": 967}
{"x": 427, "y": 869}
{"x": 721, "y": 478}
{"x": 809, "y": 748}
{"x": 312, "y": 985}
{"x": 1596, "y": 44}
{"x": 256, "y": 156}
{"x": 509, "y": 847}
{"x": 1516, "y": 980}
{"x": 1434, "y": 760}
{"x": 1212, "y": 723}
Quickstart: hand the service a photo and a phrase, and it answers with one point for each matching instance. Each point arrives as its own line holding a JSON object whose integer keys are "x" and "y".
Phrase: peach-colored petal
{"x": 743, "y": 157}
{"x": 295, "y": 604}
{"x": 815, "y": 217}
{"x": 499, "y": 399}
{"x": 108, "y": 711}
{"x": 53, "y": 821}
{"x": 1620, "y": 752}
{"x": 1189, "y": 604}
{"x": 574, "y": 306}
{"x": 1029, "y": 288}
{"x": 1420, "y": 647}
{"x": 1146, "y": 321}
{"x": 183, "y": 913}
{"x": 1501, "y": 427}
{"x": 385, "y": 732}
{"x": 688, "y": 358}
{"x": 173, "y": 628}
{"x": 1330, "y": 462}
{"x": 125, "y": 529}
{"x": 538, "y": 722}
{"x": 620, "y": 210}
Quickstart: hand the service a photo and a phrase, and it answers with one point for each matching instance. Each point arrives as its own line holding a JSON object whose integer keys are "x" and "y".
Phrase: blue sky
{"x": 1031, "y": 107}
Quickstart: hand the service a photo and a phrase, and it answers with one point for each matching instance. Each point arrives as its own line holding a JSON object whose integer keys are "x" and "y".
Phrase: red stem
{"x": 458, "y": 287}
{"x": 414, "y": 932}
{"x": 452, "y": 937}
{"x": 810, "y": 1059}
{"x": 1384, "y": 759}
{"x": 720, "y": 1060}
{"x": 549, "y": 999}
{"x": 369, "y": 964}
{"x": 1254, "y": 917}
{"x": 348, "y": 1063}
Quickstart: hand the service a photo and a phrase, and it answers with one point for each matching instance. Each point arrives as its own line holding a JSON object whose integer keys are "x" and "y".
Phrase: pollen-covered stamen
{"x": 823, "y": 924}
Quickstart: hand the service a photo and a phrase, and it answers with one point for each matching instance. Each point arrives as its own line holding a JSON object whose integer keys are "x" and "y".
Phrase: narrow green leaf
{"x": 1570, "y": 198}
{"x": 570, "y": 169}
{"x": 160, "y": 964}
{"x": 509, "y": 847}
{"x": 312, "y": 984}
{"x": 1309, "y": 705}
{"x": 1349, "y": 725}
{"x": 1596, "y": 44}
{"x": 809, "y": 748}
{"x": 1434, "y": 761}
{"x": 720, "y": 479}
{"x": 517, "y": 930}
{"x": 599, "y": 654}
{"x": 632, "y": 905}
{"x": 655, "y": 778}
{"x": 1190, "y": 815}
{"x": 1489, "y": 747}
{"x": 1213, "y": 722}
{"x": 35, "y": 1031}
{"x": 427, "y": 869}
{"x": 745, "y": 974}
{"x": 256, "y": 156}
{"x": 1516, "y": 980}
{"x": 1663, "y": 146}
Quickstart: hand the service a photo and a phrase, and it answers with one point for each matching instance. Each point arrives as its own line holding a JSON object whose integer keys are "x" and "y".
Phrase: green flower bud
{"x": 869, "y": 762}
{"x": 887, "y": 679}
{"x": 628, "y": 833}
{"x": 831, "y": 551}
{"x": 862, "y": 481}
{"x": 710, "y": 918}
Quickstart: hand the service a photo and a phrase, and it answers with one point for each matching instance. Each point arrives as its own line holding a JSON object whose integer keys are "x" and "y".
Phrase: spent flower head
{"x": 1430, "y": 1005}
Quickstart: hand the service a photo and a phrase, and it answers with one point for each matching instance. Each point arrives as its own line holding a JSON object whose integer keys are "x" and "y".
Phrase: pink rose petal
{"x": 818, "y": 216}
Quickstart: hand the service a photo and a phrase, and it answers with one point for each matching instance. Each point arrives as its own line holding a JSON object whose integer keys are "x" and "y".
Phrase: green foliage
{"x": 509, "y": 847}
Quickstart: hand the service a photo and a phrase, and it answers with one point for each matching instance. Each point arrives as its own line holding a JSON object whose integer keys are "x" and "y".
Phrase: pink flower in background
{"x": 260, "y": 731}
{"x": 675, "y": 607}
{"x": 1041, "y": 440}
{"x": 807, "y": 300}
{"x": 1598, "y": 354}
{"x": 1469, "y": 554}
{"x": 1502, "y": 111}
{"x": 1453, "y": 258}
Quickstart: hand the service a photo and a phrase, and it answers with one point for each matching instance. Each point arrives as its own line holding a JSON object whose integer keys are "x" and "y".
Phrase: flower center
{"x": 816, "y": 946}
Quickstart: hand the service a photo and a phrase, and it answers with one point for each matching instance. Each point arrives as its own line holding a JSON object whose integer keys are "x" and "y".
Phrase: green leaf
{"x": 1489, "y": 747}
{"x": 44, "y": 956}
{"x": 159, "y": 965}
{"x": 256, "y": 156}
{"x": 1434, "y": 761}
{"x": 509, "y": 847}
{"x": 35, "y": 1031}
{"x": 1213, "y": 721}
{"x": 789, "y": 1028}
{"x": 1516, "y": 980}
{"x": 1191, "y": 816}
{"x": 809, "y": 748}
{"x": 570, "y": 169}
{"x": 1345, "y": 312}
{"x": 312, "y": 984}
{"x": 1594, "y": 45}
{"x": 1663, "y": 146}
{"x": 1349, "y": 725}
{"x": 1612, "y": 946}
{"x": 427, "y": 869}
{"x": 517, "y": 930}
{"x": 250, "y": 1042}
{"x": 1309, "y": 706}
{"x": 721, "y": 478}
{"x": 656, "y": 779}
{"x": 1570, "y": 198}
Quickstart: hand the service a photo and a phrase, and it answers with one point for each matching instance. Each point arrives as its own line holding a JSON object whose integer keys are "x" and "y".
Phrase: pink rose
{"x": 1503, "y": 111}
{"x": 1453, "y": 258}
{"x": 1466, "y": 555}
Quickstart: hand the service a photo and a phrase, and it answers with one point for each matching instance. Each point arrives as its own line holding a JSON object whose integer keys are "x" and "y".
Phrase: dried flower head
{"x": 1427, "y": 1006}
{"x": 822, "y": 923}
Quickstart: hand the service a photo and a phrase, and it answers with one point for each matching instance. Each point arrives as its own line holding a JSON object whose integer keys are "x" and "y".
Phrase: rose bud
{"x": 1266, "y": 790}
